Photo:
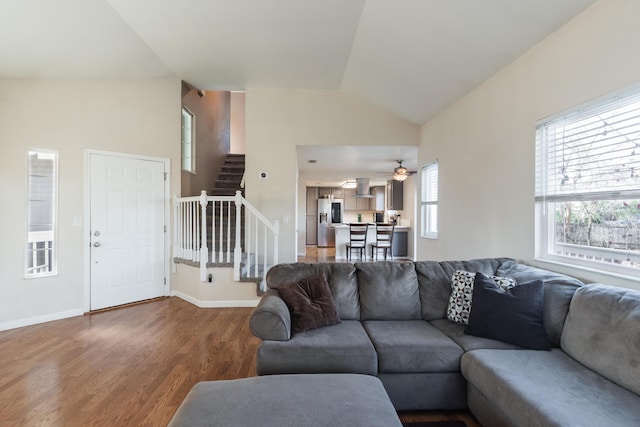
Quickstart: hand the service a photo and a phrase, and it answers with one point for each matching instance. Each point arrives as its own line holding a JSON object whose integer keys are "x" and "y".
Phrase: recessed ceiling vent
{"x": 363, "y": 189}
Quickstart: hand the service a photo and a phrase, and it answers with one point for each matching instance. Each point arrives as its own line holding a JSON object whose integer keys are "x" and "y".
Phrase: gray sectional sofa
{"x": 394, "y": 326}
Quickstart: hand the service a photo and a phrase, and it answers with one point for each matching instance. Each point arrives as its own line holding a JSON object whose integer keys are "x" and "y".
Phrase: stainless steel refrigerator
{"x": 330, "y": 212}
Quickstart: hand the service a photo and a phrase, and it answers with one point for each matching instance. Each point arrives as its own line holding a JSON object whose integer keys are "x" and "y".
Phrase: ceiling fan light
{"x": 400, "y": 170}
{"x": 400, "y": 176}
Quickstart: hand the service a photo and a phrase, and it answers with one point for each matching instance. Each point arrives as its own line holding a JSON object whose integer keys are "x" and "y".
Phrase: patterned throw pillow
{"x": 462, "y": 294}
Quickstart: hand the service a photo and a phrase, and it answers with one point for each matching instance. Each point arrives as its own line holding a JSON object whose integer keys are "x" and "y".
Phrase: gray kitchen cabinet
{"x": 400, "y": 243}
{"x": 312, "y": 230}
{"x": 330, "y": 192}
{"x": 350, "y": 199}
{"x": 312, "y": 201}
{"x": 363, "y": 203}
{"x": 324, "y": 192}
{"x": 395, "y": 196}
{"x": 337, "y": 193}
{"x": 377, "y": 203}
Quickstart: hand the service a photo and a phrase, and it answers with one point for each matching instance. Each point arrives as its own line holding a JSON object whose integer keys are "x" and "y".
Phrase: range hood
{"x": 363, "y": 190}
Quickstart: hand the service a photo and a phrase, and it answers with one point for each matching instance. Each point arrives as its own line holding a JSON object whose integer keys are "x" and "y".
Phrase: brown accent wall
{"x": 212, "y": 137}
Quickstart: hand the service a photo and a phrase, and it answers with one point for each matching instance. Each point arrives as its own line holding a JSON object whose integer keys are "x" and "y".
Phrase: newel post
{"x": 204, "y": 249}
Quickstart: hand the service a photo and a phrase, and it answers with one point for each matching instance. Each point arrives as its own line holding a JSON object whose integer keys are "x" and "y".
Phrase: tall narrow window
{"x": 188, "y": 141}
{"x": 42, "y": 198}
{"x": 588, "y": 186}
{"x": 429, "y": 200}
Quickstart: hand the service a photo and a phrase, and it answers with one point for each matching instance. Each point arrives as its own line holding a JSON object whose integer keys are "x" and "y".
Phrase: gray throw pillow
{"x": 310, "y": 303}
{"x": 509, "y": 315}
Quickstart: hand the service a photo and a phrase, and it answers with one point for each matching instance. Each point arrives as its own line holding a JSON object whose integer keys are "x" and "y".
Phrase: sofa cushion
{"x": 340, "y": 276}
{"x": 548, "y": 388}
{"x": 558, "y": 291}
{"x": 412, "y": 346}
{"x": 341, "y": 348}
{"x": 435, "y": 282}
{"x": 388, "y": 291}
{"x": 310, "y": 303}
{"x": 469, "y": 342}
{"x": 461, "y": 298}
{"x": 602, "y": 331}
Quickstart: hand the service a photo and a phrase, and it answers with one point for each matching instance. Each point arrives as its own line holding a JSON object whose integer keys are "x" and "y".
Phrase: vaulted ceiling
{"x": 410, "y": 57}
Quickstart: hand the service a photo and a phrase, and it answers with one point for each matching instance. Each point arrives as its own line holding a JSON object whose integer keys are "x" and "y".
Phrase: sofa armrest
{"x": 271, "y": 319}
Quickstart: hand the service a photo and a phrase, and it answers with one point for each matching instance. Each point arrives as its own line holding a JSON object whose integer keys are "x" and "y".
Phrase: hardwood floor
{"x": 128, "y": 367}
{"x": 316, "y": 254}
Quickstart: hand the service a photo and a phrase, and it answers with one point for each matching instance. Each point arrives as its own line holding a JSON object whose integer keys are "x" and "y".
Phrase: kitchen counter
{"x": 342, "y": 238}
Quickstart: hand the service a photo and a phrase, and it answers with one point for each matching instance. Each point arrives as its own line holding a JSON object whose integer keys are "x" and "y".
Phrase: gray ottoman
{"x": 288, "y": 400}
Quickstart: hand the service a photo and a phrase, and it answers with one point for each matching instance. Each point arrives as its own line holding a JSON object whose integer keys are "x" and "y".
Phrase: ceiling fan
{"x": 400, "y": 173}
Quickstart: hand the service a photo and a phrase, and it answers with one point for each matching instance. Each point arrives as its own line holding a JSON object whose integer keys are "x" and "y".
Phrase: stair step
{"x": 235, "y": 158}
{"x": 225, "y": 191}
{"x": 227, "y": 184}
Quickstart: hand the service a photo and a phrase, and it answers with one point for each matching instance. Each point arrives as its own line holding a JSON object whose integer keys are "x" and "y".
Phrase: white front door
{"x": 127, "y": 226}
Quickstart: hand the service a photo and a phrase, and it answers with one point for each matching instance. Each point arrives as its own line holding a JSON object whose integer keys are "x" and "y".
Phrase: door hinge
{"x": 165, "y": 228}
{"x": 165, "y": 176}
{"x": 165, "y": 280}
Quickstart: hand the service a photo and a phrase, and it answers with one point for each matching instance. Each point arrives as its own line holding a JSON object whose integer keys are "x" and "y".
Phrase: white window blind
{"x": 588, "y": 186}
{"x": 430, "y": 183}
{"x": 429, "y": 200}
{"x": 592, "y": 154}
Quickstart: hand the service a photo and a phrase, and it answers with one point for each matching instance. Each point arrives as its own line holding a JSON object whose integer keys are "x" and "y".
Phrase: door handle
{"x": 97, "y": 244}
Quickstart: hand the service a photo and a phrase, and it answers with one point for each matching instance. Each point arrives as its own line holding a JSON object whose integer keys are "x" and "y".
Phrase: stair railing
{"x": 193, "y": 231}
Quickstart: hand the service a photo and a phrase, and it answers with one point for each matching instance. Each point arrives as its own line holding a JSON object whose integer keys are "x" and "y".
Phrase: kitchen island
{"x": 342, "y": 238}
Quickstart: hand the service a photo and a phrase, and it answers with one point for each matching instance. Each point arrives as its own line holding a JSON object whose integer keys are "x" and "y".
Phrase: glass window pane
{"x": 40, "y": 257}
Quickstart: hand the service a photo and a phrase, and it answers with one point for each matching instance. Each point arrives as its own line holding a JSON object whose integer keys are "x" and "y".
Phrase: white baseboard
{"x": 214, "y": 304}
{"x": 40, "y": 319}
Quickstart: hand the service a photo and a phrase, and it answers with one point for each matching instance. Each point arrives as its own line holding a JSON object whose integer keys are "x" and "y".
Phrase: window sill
{"x": 589, "y": 269}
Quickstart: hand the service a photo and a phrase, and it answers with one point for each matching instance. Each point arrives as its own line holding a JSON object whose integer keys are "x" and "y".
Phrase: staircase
{"x": 229, "y": 181}
{"x": 230, "y": 178}
{"x": 221, "y": 233}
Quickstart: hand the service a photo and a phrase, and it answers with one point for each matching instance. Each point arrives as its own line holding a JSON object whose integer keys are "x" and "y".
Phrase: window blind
{"x": 591, "y": 154}
{"x": 430, "y": 183}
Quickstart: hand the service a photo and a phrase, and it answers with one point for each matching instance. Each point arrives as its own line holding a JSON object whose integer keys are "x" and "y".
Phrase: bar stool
{"x": 384, "y": 240}
{"x": 357, "y": 239}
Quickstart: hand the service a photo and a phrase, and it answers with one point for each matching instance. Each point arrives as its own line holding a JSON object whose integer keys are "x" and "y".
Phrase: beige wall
{"x": 236, "y": 144}
{"x": 279, "y": 120}
{"x": 485, "y": 142}
{"x": 139, "y": 117}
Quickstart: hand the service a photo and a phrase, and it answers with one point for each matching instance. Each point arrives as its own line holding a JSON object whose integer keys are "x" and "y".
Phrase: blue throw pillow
{"x": 513, "y": 315}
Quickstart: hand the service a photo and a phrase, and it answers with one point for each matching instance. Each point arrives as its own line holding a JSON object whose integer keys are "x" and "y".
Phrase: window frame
{"x": 29, "y": 235}
{"x": 550, "y": 196}
{"x": 192, "y": 143}
{"x": 429, "y": 200}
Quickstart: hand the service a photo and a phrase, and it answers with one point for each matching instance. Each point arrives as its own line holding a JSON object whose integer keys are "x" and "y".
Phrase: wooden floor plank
{"x": 131, "y": 366}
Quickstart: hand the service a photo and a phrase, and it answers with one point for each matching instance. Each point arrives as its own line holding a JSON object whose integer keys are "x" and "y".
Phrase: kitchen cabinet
{"x": 363, "y": 203}
{"x": 312, "y": 230}
{"x": 400, "y": 243}
{"x": 395, "y": 190}
{"x": 312, "y": 201}
{"x": 330, "y": 192}
{"x": 377, "y": 203}
{"x": 350, "y": 199}
{"x": 324, "y": 192}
